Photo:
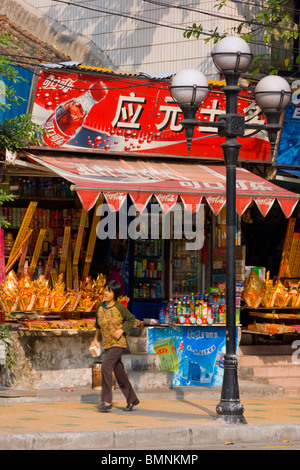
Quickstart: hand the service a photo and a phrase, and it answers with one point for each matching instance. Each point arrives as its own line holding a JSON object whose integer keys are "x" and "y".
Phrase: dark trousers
{"x": 112, "y": 363}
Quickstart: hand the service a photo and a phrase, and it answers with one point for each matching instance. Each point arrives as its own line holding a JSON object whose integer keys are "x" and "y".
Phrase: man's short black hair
{"x": 114, "y": 286}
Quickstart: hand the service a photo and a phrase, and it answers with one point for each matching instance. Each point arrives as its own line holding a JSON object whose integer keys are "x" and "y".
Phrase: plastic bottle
{"x": 221, "y": 314}
{"x": 153, "y": 292}
{"x": 175, "y": 315}
{"x": 33, "y": 187}
{"x": 24, "y": 188}
{"x": 140, "y": 289}
{"x": 216, "y": 309}
{"x": 158, "y": 290}
{"x": 144, "y": 291}
{"x": 178, "y": 305}
{"x": 192, "y": 303}
{"x": 57, "y": 187}
{"x": 29, "y": 188}
{"x": 210, "y": 318}
{"x": 63, "y": 192}
{"x": 184, "y": 306}
{"x": 223, "y": 299}
{"x": 167, "y": 317}
{"x": 204, "y": 314}
{"x": 171, "y": 312}
{"x": 197, "y": 305}
{"x": 41, "y": 188}
{"x": 210, "y": 297}
{"x": 162, "y": 316}
{"x": 69, "y": 116}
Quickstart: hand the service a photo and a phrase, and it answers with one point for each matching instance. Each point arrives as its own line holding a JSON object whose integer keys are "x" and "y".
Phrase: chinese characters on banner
{"x": 133, "y": 115}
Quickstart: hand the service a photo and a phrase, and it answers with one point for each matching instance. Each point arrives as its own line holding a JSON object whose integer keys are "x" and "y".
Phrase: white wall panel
{"x": 134, "y": 45}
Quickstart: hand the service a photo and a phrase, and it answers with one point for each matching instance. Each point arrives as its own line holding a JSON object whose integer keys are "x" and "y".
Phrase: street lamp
{"x": 231, "y": 56}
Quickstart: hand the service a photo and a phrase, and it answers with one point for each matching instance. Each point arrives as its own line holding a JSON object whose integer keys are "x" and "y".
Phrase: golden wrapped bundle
{"x": 74, "y": 299}
{"x": 87, "y": 304}
{"x": 27, "y": 294}
{"x": 9, "y": 293}
{"x": 294, "y": 298}
{"x": 58, "y": 302}
{"x": 282, "y": 295}
{"x": 59, "y": 298}
{"x": 253, "y": 290}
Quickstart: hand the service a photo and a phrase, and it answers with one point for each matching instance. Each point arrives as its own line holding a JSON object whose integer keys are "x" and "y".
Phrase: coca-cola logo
{"x": 54, "y": 83}
{"x": 115, "y": 196}
{"x": 216, "y": 199}
{"x": 52, "y": 134}
{"x": 167, "y": 197}
{"x": 264, "y": 201}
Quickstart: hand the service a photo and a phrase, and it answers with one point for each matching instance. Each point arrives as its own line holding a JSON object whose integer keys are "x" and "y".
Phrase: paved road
{"x": 65, "y": 421}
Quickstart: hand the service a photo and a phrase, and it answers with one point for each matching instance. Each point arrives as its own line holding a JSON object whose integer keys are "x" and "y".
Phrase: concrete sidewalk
{"x": 69, "y": 419}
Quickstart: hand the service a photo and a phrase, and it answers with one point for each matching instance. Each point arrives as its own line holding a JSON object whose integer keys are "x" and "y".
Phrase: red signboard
{"x": 114, "y": 114}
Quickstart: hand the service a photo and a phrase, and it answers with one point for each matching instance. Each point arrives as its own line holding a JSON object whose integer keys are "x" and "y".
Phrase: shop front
{"x": 152, "y": 218}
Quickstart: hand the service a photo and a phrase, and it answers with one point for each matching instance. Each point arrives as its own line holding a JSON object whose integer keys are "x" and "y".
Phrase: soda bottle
{"x": 192, "y": 303}
{"x": 69, "y": 116}
{"x": 197, "y": 305}
{"x": 175, "y": 314}
{"x": 171, "y": 312}
{"x": 204, "y": 313}
{"x": 184, "y": 307}
{"x": 167, "y": 318}
{"x": 216, "y": 309}
{"x": 161, "y": 316}
{"x": 210, "y": 318}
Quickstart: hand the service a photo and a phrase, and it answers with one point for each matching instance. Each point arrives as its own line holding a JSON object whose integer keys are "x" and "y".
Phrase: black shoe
{"x": 105, "y": 407}
{"x": 131, "y": 405}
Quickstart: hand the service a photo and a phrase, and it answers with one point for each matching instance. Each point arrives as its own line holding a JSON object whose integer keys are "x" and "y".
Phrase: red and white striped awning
{"x": 166, "y": 180}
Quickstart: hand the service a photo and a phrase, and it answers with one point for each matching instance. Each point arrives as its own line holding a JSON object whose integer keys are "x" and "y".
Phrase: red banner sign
{"x": 114, "y": 114}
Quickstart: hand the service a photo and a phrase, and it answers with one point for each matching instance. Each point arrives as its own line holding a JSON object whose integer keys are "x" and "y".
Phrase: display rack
{"x": 267, "y": 321}
{"x": 186, "y": 268}
{"x": 149, "y": 270}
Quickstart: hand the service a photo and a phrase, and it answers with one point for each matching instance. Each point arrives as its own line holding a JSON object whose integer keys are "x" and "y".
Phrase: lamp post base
{"x": 230, "y": 410}
{"x": 226, "y": 413}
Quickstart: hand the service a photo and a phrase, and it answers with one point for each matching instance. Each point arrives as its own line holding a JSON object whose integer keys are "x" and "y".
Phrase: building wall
{"x": 152, "y": 47}
{"x": 22, "y": 88}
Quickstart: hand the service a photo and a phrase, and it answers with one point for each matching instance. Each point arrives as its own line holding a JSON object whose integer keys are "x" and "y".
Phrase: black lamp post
{"x": 232, "y": 56}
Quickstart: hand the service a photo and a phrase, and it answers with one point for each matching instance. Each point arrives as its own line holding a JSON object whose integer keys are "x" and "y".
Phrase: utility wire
{"x": 125, "y": 15}
{"x": 205, "y": 33}
{"x": 214, "y": 15}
